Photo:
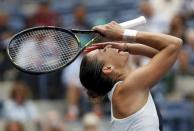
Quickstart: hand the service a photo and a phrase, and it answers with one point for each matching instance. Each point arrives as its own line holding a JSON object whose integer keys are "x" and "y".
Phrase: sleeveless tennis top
{"x": 145, "y": 119}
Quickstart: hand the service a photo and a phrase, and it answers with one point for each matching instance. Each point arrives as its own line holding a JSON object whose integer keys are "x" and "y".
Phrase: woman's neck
{"x": 125, "y": 72}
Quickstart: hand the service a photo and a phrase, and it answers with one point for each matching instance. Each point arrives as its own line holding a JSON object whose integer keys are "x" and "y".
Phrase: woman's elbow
{"x": 177, "y": 44}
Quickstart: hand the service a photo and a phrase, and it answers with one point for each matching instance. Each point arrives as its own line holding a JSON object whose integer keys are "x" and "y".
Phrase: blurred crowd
{"x": 19, "y": 103}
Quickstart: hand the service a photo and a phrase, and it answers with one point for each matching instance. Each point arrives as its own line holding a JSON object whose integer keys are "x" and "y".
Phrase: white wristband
{"x": 129, "y": 35}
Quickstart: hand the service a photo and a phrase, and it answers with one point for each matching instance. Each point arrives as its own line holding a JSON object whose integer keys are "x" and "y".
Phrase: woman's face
{"x": 110, "y": 56}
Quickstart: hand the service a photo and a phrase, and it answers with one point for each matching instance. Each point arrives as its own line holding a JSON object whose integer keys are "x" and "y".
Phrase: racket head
{"x": 19, "y": 40}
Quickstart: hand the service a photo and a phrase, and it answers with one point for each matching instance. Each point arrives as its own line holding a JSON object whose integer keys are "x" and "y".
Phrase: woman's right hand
{"x": 112, "y": 31}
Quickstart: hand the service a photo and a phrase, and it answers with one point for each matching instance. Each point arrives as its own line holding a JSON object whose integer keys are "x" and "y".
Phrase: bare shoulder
{"x": 126, "y": 103}
{"x": 136, "y": 81}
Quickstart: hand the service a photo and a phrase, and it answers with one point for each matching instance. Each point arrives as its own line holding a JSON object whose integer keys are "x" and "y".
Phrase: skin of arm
{"x": 168, "y": 49}
{"x": 159, "y": 65}
{"x": 139, "y": 49}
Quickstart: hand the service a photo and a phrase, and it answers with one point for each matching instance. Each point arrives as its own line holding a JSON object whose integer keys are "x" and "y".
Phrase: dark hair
{"x": 93, "y": 79}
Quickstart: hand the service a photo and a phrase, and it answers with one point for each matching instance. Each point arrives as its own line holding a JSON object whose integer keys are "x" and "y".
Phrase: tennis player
{"x": 106, "y": 69}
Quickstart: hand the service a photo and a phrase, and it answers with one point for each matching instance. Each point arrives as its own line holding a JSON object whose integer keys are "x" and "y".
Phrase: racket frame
{"x": 71, "y": 32}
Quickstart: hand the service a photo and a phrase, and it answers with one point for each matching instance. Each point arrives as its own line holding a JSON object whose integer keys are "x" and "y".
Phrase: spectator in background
{"x": 4, "y": 19}
{"x": 70, "y": 75}
{"x": 154, "y": 20}
{"x": 41, "y": 85}
{"x": 18, "y": 107}
{"x": 52, "y": 121}
{"x": 14, "y": 126}
{"x": 188, "y": 8}
{"x": 177, "y": 26}
{"x": 5, "y": 34}
{"x": 80, "y": 21}
{"x": 44, "y": 16}
{"x": 154, "y": 23}
{"x": 168, "y": 7}
{"x": 91, "y": 122}
{"x": 187, "y": 55}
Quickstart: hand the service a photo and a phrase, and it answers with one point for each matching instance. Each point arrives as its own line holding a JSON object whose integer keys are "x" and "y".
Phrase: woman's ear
{"x": 107, "y": 69}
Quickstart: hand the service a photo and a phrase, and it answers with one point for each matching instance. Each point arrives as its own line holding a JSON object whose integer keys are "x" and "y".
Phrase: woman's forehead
{"x": 93, "y": 53}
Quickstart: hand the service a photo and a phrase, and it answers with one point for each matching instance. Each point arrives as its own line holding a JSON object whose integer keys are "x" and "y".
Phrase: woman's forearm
{"x": 156, "y": 40}
{"x": 139, "y": 49}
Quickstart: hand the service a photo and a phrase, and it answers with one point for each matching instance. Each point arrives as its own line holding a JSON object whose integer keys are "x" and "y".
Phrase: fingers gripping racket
{"x": 46, "y": 49}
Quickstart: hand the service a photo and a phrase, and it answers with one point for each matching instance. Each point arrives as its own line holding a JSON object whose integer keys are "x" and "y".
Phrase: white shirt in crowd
{"x": 22, "y": 113}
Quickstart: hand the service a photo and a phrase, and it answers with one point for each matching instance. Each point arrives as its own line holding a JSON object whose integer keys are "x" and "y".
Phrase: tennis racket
{"x": 46, "y": 49}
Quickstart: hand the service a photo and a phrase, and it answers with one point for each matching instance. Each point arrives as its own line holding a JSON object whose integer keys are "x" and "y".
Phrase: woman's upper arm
{"x": 146, "y": 76}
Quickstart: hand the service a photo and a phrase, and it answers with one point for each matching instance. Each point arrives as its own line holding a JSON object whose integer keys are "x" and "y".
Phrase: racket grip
{"x": 132, "y": 23}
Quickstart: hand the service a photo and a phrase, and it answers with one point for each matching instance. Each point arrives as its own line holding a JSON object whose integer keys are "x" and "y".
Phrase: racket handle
{"x": 135, "y": 22}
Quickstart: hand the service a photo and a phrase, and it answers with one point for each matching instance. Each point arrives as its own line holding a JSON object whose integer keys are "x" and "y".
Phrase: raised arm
{"x": 145, "y": 77}
{"x": 157, "y": 40}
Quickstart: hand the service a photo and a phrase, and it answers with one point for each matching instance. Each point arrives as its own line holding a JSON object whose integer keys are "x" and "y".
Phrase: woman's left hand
{"x": 116, "y": 45}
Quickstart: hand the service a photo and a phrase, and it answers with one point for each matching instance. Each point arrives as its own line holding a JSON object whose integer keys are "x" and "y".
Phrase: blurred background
{"x": 57, "y": 101}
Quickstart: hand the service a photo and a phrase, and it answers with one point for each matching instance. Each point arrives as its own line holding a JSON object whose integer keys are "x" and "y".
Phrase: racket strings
{"x": 43, "y": 50}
